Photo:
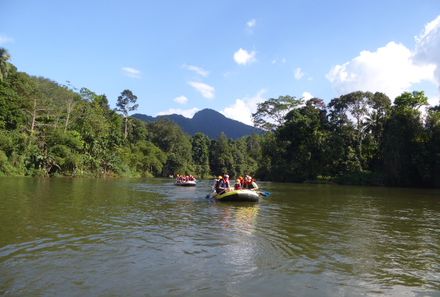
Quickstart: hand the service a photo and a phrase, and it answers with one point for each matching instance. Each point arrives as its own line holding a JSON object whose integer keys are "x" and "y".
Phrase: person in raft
{"x": 237, "y": 185}
{"x": 222, "y": 184}
{"x": 249, "y": 183}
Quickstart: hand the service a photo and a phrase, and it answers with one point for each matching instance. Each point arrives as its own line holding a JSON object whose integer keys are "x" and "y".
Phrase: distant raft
{"x": 237, "y": 195}
{"x": 188, "y": 183}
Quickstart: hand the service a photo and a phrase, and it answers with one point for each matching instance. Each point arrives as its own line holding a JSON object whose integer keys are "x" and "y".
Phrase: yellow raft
{"x": 237, "y": 195}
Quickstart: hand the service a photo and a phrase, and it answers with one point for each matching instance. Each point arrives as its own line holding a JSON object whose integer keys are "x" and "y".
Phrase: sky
{"x": 184, "y": 56}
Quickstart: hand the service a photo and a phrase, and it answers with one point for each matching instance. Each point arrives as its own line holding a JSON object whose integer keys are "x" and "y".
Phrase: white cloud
{"x": 251, "y": 23}
{"x": 279, "y": 61}
{"x": 188, "y": 113}
{"x": 181, "y": 100}
{"x": 433, "y": 101}
{"x": 242, "y": 109}
{"x": 306, "y": 96}
{"x": 206, "y": 90}
{"x": 298, "y": 73}
{"x": 131, "y": 72}
{"x": 390, "y": 69}
{"x": 427, "y": 48}
{"x": 243, "y": 57}
{"x": 199, "y": 70}
{"x": 5, "y": 39}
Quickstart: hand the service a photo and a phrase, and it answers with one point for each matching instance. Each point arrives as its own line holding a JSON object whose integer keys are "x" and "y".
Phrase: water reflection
{"x": 151, "y": 238}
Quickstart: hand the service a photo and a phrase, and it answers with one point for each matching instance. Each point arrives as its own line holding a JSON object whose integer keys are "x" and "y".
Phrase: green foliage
{"x": 4, "y": 64}
{"x": 220, "y": 156}
{"x": 270, "y": 114}
{"x": 404, "y": 147}
{"x": 303, "y": 138}
{"x": 359, "y": 138}
{"x": 200, "y": 155}
{"x": 360, "y": 117}
{"x": 176, "y": 144}
{"x": 125, "y": 104}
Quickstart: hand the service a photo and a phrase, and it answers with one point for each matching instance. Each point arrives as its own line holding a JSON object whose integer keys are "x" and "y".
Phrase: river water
{"x": 147, "y": 237}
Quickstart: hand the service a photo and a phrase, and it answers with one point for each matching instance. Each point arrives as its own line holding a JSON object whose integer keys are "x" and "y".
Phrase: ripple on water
{"x": 164, "y": 240}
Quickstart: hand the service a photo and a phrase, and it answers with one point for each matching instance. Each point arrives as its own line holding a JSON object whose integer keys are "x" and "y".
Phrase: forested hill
{"x": 49, "y": 129}
{"x": 207, "y": 121}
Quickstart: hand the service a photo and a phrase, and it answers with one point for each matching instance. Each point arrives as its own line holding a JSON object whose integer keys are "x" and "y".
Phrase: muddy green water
{"x": 147, "y": 237}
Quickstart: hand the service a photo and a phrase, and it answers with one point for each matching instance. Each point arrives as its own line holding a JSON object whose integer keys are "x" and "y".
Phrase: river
{"x": 147, "y": 237}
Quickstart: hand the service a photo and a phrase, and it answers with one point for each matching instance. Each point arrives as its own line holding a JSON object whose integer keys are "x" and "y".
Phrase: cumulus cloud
{"x": 199, "y": 70}
{"x": 131, "y": 72}
{"x": 188, "y": 113}
{"x": 306, "y": 96}
{"x": 427, "y": 48}
{"x": 243, "y": 57}
{"x": 390, "y": 69}
{"x": 181, "y": 100}
{"x": 298, "y": 73}
{"x": 433, "y": 101}
{"x": 205, "y": 90}
{"x": 242, "y": 109}
{"x": 5, "y": 39}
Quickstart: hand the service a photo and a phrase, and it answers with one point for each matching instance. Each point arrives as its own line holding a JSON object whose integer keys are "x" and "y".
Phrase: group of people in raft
{"x": 222, "y": 184}
{"x": 184, "y": 178}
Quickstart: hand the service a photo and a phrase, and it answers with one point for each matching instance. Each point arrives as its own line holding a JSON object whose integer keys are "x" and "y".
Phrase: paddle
{"x": 265, "y": 194}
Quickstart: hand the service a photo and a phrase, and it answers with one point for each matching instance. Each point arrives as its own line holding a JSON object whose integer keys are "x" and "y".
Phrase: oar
{"x": 209, "y": 195}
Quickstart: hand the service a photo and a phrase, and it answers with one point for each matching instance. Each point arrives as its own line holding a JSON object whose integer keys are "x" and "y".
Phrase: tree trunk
{"x": 69, "y": 111}
{"x": 126, "y": 128}
{"x": 34, "y": 116}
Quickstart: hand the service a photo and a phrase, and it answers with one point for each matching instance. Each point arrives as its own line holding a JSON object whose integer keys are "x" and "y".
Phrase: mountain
{"x": 207, "y": 121}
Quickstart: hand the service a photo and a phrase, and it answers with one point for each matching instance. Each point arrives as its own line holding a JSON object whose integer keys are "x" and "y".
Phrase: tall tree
{"x": 125, "y": 104}
{"x": 404, "y": 144}
{"x": 270, "y": 114}
{"x": 433, "y": 145}
{"x": 304, "y": 139}
{"x": 200, "y": 154}
{"x": 359, "y": 113}
{"x": 221, "y": 159}
{"x": 169, "y": 137}
{"x": 4, "y": 64}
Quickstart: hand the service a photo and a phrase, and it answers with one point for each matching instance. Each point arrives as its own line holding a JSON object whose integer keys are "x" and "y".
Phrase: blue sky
{"x": 183, "y": 56}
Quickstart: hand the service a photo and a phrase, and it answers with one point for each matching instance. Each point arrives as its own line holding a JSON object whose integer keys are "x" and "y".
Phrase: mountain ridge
{"x": 208, "y": 121}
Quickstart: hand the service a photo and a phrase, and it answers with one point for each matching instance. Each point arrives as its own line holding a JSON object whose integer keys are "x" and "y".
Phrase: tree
{"x": 433, "y": 145}
{"x": 170, "y": 138}
{"x": 200, "y": 154}
{"x": 4, "y": 64}
{"x": 270, "y": 114}
{"x": 358, "y": 114}
{"x": 303, "y": 138}
{"x": 404, "y": 144}
{"x": 125, "y": 104}
{"x": 411, "y": 101}
{"x": 221, "y": 159}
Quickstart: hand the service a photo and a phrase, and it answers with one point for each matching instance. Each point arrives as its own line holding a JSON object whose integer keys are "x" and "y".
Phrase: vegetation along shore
{"x": 49, "y": 129}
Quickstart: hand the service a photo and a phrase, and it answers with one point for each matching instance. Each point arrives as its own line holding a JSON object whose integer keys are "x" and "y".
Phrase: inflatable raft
{"x": 237, "y": 195}
{"x": 189, "y": 183}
